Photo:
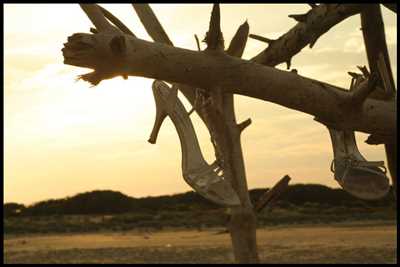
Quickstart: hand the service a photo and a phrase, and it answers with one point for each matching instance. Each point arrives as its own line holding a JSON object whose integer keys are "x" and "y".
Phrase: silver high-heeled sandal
{"x": 207, "y": 180}
{"x": 359, "y": 177}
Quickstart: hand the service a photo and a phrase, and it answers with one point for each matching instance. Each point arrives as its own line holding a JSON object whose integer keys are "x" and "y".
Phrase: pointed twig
{"x": 262, "y": 39}
{"x": 313, "y": 5}
{"x": 151, "y": 23}
{"x": 288, "y": 63}
{"x": 313, "y": 40}
{"x": 214, "y": 38}
{"x": 239, "y": 40}
{"x": 360, "y": 93}
{"x": 197, "y": 42}
{"x": 243, "y": 125}
{"x": 354, "y": 75}
{"x": 299, "y": 17}
{"x": 329, "y": 124}
{"x": 94, "y": 31}
{"x": 364, "y": 71}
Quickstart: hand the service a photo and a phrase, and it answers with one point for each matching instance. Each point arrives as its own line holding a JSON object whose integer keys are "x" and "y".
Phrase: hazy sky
{"x": 63, "y": 137}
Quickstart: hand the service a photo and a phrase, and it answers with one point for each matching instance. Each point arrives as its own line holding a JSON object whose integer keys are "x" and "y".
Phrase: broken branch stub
{"x": 261, "y": 38}
{"x": 239, "y": 41}
{"x": 271, "y": 196}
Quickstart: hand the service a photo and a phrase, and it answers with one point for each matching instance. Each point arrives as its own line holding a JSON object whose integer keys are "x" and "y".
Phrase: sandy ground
{"x": 361, "y": 243}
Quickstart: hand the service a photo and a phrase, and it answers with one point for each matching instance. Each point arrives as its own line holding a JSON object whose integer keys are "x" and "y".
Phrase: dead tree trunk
{"x": 243, "y": 220}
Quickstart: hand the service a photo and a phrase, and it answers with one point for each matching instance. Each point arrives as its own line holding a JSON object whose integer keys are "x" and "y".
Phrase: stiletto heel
{"x": 207, "y": 180}
{"x": 160, "y": 116}
{"x": 359, "y": 177}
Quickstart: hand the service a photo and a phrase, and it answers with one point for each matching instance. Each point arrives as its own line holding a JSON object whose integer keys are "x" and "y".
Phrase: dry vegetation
{"x": 361, "y": 242}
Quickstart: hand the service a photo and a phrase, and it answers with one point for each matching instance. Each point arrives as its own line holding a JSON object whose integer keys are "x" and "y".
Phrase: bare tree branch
{"x": 299, "y": 17}
{"x": 214, "y": 38}
{"x": 203, "y": 70}
{"x": 319, "y": 20}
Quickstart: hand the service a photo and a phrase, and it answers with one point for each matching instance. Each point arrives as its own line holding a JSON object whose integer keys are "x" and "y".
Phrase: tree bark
{"x": 215, "y": 69}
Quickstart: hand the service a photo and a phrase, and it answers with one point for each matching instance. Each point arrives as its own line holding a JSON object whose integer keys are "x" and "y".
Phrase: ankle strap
{"x": 359, "y": 163}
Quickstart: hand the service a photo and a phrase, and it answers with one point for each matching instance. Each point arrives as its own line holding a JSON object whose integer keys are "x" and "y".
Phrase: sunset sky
{"x": 63, "y": 137}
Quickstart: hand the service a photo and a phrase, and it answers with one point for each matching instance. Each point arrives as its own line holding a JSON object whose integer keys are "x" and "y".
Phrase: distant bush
{"x": 114, "y": 211}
